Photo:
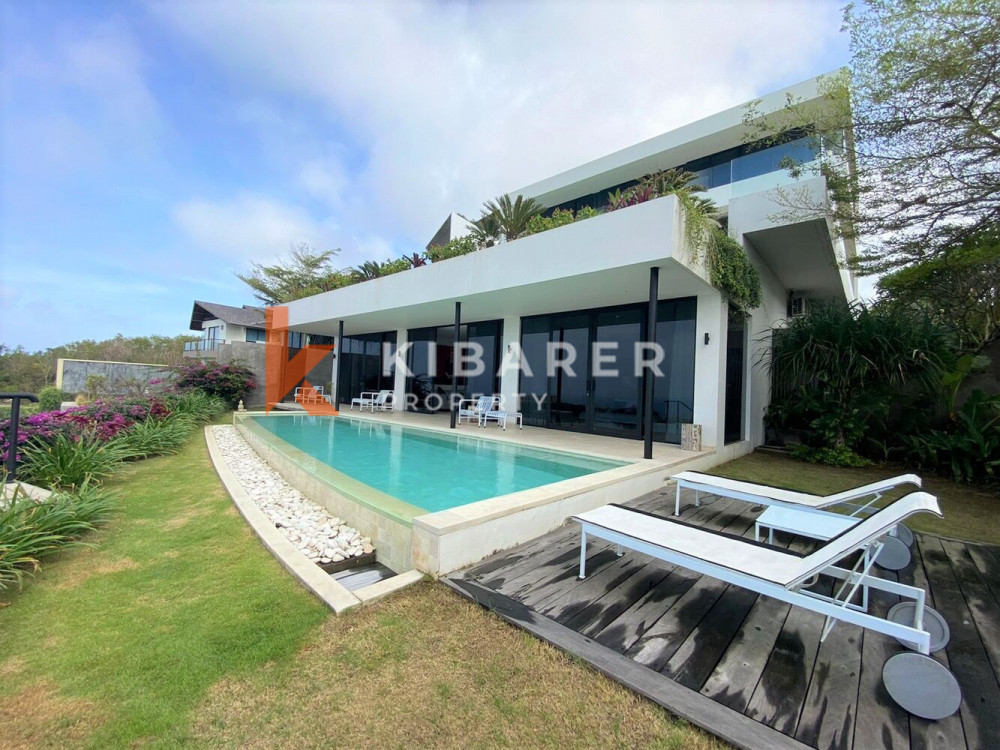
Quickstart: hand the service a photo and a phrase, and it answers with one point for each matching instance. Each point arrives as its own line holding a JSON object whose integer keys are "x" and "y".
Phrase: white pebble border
{"x": 318, "y": 535}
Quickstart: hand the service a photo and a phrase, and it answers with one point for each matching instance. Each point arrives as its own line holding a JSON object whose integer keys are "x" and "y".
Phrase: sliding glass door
{"x": 596, "y": 388}
{"x": 431, "y": 362}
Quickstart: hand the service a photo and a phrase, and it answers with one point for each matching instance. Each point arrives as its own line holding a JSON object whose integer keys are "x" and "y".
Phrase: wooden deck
{"x": 747, "y": 667}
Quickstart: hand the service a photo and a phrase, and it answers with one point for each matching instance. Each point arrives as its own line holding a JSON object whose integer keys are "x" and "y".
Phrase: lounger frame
{"x": 836, "y": 608}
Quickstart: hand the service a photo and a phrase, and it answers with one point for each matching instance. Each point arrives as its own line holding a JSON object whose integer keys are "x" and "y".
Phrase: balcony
{"x": 202, "y": 349}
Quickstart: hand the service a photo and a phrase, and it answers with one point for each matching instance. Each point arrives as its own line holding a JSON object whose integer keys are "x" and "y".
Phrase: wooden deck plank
{"x": 879, "y": 721}
{"x": 966, "y": 654}
{"x": 988, "y": 566}
{"x": 827, "y": 718}
{"x": 735, "y": 676}
{"x": 984, "y": 608}
{"x": 730, "y": 726}
{"x": 948, "y": 732}
{"x": 604, "y": 610}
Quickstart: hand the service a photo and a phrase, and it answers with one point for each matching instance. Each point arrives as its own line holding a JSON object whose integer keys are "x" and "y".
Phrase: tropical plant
{"x": 230, "y": 382}
{"x": 452, "y": 249}
{"x": 197, "y": 406}
{"x": 485, "y": 231}
{"x": 416, "y": 260}
{"x": 839, "y": 371}
{"x": 505, "y": 217}
{"x": 559, "y": 217}
{"x": 70, "y": 462}
{"x": 154, "y": 437}
{"x": 731, "y": 270}
{"x": 32, "y": 530}
{"x": 968, "y": 447}
{"x": 370, "y": 269}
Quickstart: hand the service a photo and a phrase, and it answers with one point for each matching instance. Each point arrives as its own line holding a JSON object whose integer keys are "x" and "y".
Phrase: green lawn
{"x": 971, "y": 513}
{"x": 180, "y": 628}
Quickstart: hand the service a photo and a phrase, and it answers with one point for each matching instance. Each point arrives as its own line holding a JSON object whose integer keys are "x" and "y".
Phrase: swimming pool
{"x": 430, "y": 470}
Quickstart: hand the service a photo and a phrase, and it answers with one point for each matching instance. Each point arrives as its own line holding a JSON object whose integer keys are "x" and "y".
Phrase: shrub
{"x": 31, "y": 531}
{"x": 197, "y": 406}
{"x": 154, "y": 437}
{"x": 968, "y": 447}
{"x": 70, "y": 462}
{"x": 452, "y": 249}
{"x": 829, "y": 456}
{"x": 230, "y": 382}
{"x": 50, "y": 398}
{"x": 842, "y": 372}
{"x": 560, "y": 217}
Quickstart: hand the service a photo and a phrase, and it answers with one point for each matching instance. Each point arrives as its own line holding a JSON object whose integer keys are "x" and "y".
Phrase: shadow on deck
{"x": 746, "y": 667}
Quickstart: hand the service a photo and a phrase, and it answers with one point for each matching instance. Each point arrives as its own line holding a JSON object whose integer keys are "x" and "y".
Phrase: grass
{"x": 969, "y": 512}
{"x": 179, "y": 628}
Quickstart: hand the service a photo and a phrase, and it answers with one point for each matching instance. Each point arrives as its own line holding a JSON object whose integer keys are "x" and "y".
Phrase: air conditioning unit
{"x": 796, "y": 306}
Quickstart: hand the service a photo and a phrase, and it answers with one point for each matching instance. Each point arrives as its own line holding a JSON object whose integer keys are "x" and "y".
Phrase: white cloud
{"x": 248, "y": 226}
{"x": 454, "y": 103}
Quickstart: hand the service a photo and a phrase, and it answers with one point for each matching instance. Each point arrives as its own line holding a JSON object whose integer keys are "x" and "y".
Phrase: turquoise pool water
{"x": 430, "y": 470}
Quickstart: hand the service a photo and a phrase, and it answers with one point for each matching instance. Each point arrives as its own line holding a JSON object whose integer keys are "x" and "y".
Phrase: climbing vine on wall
{"x": 731, "y": 270}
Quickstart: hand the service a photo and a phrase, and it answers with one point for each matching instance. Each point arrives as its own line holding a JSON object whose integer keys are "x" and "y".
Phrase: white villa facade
{"x": 590, "y": 282}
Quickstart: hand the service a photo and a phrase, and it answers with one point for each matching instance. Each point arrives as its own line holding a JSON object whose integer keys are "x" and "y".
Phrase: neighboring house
{"x": 237, "y": 334}
{"x": 223, "y": 324}
{"x": 589, "y": 282}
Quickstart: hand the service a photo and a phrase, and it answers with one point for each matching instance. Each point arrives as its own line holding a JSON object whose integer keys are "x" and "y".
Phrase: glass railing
{"x": 203, "y": 345}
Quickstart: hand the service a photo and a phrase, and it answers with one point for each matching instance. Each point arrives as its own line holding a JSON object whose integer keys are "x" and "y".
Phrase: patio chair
{"x": 474, "y": 408}
{"x": 917, "y": 682}
{"x": 368, "y": 398}
{"x": 500, "y": 417}
{"x": 309, "y": 398}
{"x": 896, "y": 554}
{"x": 383, "y": 402}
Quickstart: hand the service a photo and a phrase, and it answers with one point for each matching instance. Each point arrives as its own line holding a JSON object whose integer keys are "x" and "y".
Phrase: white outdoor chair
{"x": 916, "y": 681}
{"x": 896, "y": 554}
{"x": 500, "y": 417}
{"x": 367, "y": 399}
{"x": 384, "y": 401}
{"x": 474, "y": 408}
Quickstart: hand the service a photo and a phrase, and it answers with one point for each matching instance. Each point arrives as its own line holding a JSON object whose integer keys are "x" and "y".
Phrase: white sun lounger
{"x": 381, "y": 400}
{"x": 474, "y": 408}
{"x": 765, "y": 495}
{"x": 500, "y": 417}
{"x": 920, "y": 684}
{"x": 895, "y": 556}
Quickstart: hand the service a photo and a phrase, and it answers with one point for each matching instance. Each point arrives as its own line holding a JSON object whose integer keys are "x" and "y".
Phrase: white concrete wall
{"x": 399, "y": 381}
{"x": 710, "y": 367}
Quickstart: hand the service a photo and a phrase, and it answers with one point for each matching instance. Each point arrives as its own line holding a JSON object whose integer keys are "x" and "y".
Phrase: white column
{"x": 399, "y": 383}
{"x": 510, "y": 376}
{"x": 710, "y": 368}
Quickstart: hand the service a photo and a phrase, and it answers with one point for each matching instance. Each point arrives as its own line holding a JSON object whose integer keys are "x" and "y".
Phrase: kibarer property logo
{"x": 283, "y": 374}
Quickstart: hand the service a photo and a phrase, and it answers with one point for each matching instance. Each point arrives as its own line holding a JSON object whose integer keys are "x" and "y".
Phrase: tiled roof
{"x": 247, "y": 315}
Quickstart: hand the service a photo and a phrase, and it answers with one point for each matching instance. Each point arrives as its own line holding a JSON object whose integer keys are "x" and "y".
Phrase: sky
{"x": 150, "y": 151}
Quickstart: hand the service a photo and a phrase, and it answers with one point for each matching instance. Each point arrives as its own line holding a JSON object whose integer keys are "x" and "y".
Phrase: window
{"x": 296, "y": 339}
{"x": 256, "y": 335}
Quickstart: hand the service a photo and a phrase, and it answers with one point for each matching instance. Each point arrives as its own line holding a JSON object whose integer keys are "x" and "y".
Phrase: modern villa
{"x": 590, "y": 281}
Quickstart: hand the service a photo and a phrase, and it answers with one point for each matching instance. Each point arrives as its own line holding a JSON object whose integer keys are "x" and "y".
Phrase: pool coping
{"x": 446, "y": 540}
{"x": 321, "y": 584}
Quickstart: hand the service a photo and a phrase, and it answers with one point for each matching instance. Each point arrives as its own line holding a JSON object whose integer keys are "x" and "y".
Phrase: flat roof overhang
{"x": 599, "y": 262}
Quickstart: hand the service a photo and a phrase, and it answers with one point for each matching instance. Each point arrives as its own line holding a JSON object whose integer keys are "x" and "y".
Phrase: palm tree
{"x": 370, "y": 269}
{"x": 675, "y": 180}
{"x": 485, "y": 230}
{"x": 513, "y": 216}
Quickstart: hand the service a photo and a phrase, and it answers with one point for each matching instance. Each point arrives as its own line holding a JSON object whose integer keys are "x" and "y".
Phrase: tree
{"x": 960, "y": 288}
{"x": 305, "y": 273}
{"x": 504, "y": 217}
{"x": 911, "y": 134}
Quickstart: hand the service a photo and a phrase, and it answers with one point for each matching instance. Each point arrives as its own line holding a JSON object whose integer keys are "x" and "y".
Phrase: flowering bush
{"x": 104, "y": 419}
{"x": 230, "y": 382}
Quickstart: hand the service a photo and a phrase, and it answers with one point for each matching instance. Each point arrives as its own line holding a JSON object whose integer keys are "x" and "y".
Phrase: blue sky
{"x": 151, "y": 150}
